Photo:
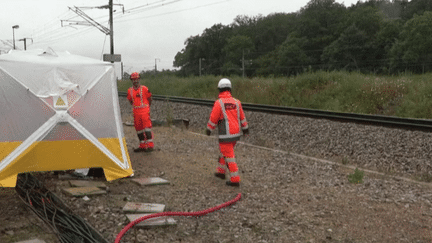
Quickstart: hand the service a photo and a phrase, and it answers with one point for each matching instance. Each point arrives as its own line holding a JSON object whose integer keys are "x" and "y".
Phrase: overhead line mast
{"x": 102, "y": 28}
{"x": 111, "y": 28}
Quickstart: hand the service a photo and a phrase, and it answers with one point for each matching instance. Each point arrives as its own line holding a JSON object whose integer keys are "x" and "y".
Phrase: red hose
{"x": 193, "y": 214}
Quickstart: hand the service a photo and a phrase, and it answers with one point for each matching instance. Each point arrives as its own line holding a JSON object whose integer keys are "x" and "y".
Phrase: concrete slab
{"x": 153, "y": 222}
{"x": 133, "y": 207}
{"x": 128, "y": 123}
{"x": 83, "y": 191}
{"x": 32, "y": 241}
{"x": 78, "y": 183}
{"x": 150, "y": 181}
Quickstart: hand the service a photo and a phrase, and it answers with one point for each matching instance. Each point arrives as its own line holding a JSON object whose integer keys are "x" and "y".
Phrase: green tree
{"x": 320, "y": 23}
{"x": 266, "y": 64}
{"x": 291, "y": 57}
{"x": 212, "y": 42}
{"x": 414, "y": 7}
{"x": 206, "y": 47}
{"x": 348, "y": 51}
{"x": 185, "y": 58}
{"x": 266, "y": 33}
{"x": 413, "y": 50}
{"x": 235, "y": 50}
{"x": 384, "y": 41}
{"x": 272, "y": 31}
{"x": 390, "y": 9}
{"x": 356, "y": 48}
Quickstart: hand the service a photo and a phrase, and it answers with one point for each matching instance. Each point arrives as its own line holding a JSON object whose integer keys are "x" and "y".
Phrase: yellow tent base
{"x": 63, "y": 155}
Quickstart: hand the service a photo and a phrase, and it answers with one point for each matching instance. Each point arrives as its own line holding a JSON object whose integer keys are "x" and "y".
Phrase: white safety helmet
{"x": 224, "y": 83}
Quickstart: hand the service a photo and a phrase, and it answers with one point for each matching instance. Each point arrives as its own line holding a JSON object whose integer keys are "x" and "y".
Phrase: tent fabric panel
{"x": 38, "y": 134}
{"x": 7, "y": 147}
{"x": 53, "y": 75}
{"x": 9, "y": 181}
{"x": 16, "y": 167}
{"x": 63, "y": 131}
{"x": 94, "y": 111}
{"x": 113, "y": 173}
{"x": 116, "y": 173}
{"x": 61, "y": 155}
{"x": 21, "y": 112}
{"x": 113, "y": 145}
{"x": 118, "y": 121}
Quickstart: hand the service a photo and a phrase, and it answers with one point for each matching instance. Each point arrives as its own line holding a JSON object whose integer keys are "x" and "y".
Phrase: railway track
{"x": 397, "y": 122}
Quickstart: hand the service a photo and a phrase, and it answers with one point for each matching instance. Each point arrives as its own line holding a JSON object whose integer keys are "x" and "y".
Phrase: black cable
{"x": 67, "y": 227}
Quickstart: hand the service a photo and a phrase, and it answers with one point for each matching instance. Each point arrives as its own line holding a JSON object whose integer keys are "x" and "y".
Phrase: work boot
{"x": 149, "y": 149}
{"x": 220, "y": 175}
{"x": 229, "y": 183}
{"x": 141, "y": 148}
{"x": 137, "y": 150}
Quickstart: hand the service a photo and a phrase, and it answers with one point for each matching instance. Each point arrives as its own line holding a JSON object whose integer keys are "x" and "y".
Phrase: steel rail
{"x": 392, "y": 121}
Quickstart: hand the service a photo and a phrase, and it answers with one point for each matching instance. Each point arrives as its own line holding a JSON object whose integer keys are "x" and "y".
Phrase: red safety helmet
{"x": 135, "y": 75}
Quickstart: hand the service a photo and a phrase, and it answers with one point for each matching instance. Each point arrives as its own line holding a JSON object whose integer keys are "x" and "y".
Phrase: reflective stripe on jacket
{"x": 228, "y": 115}
{"x": 139, "y": 97}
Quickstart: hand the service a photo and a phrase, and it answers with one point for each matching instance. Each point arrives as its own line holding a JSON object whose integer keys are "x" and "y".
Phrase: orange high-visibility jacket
{"x": 139, "y": 97}
{"x": 228, "y": 115}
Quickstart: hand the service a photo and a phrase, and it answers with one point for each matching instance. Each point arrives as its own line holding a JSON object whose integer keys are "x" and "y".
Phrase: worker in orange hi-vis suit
{"x": 227, "y": 114}
{"x": 139, "y": 97}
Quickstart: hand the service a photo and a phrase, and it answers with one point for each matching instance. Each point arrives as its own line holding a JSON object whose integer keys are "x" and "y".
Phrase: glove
{"x": 246, "y": 131}
{"x": 208, "y": 132}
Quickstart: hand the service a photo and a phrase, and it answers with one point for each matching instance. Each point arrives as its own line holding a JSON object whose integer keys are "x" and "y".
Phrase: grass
{"x": 345, "y": 160}
{"x": 402, "y": 96}
{"x": 356, "y": 177}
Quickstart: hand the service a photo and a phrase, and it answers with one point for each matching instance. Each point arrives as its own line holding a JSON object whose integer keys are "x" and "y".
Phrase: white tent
{"x": 59, "y": 111}
{"x": 5, "y": 47}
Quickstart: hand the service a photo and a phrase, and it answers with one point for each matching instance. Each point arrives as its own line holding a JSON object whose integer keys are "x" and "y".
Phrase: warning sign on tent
{"x": 60, "y": 102}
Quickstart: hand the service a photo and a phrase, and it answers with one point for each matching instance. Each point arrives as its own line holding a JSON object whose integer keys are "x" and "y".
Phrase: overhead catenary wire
{"x": 49, "y": 30}
{"x": 145, "y": 6}
{"x": 52, "y": 33}
{"x": 167, "y": 13}
{"x": 61, "y": 37}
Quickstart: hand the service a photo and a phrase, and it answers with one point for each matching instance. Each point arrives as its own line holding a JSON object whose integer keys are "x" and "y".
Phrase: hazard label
{"x": 60, "y": 102}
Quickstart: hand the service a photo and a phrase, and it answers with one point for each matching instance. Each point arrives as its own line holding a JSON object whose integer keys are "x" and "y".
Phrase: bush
{"x": 356, "y": 177}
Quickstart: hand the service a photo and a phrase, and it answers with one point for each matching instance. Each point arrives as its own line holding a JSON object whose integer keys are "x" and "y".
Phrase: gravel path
{"x": 286, "y": 197}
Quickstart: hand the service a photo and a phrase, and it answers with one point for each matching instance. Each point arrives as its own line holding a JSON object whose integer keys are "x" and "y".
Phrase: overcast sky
{"x": 148, "y": 32}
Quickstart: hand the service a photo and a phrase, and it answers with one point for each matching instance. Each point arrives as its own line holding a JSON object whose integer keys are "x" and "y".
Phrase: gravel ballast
{"x": 381, "y": 148}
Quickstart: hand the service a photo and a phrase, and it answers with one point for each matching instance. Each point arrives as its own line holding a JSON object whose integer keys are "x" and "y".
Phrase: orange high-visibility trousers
{"x": 227, "y": 159}
{"x": 143, "y": 125}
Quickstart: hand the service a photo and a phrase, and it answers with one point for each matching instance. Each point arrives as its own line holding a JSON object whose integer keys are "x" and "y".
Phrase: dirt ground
{"x": 285, "y": 198}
